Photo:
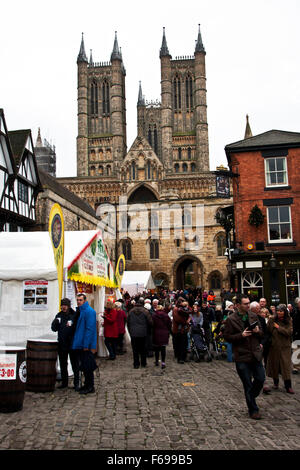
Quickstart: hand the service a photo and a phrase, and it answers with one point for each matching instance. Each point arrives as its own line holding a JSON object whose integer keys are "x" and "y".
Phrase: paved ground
{"x": 151, "y": 409}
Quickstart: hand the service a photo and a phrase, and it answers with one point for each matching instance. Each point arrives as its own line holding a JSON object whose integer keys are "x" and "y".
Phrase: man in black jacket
{"x": 138, "y": 322}
{"x": 65, "y": 325}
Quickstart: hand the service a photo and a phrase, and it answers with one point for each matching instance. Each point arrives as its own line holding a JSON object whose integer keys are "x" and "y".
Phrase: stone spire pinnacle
{"x": 82, "y": 56}
{"x": 141, "y": 100}
{"x": 248, "y": 132}
{"x": 91, "y": 57}
{"x": 199, "y": 44}
{"x": 164, "y": 51}
{"x": 39, "y": 142}
{"x": 116, "y": 54}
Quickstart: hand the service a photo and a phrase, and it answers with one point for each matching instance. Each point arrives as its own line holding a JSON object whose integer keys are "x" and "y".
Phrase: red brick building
{"x": 266, "y": 188}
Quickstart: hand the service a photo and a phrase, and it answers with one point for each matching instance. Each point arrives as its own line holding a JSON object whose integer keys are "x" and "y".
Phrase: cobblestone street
{"x": 151, "y": 409}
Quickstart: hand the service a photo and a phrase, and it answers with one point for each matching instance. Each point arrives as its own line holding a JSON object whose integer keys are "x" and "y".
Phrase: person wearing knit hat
{"x": 65, "y": 323}
{"x": 228, "y": 305}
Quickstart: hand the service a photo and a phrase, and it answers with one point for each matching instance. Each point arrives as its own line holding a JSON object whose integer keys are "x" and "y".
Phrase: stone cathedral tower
{"x": 165, "y": 169}
{"x": 101, "y": 140}
{"x": 178, "y": 130}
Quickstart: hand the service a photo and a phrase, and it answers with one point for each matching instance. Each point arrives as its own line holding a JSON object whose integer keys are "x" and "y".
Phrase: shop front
{"x": 274, "y": 276}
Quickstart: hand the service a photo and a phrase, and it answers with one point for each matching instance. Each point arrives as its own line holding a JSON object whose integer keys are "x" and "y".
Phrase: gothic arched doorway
{"x": 187, "y": 272}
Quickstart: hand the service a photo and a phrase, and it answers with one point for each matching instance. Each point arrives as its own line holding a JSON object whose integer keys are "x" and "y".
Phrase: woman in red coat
{"x": 111, "y": 330}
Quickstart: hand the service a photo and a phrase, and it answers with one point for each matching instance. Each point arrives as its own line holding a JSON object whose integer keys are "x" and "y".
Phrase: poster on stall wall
{"x": 92, "y": 265}
{"x": 35, "y": 295}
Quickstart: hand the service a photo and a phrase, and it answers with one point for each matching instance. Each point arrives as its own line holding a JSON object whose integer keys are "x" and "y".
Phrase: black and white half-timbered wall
{"x": 19, "y": 179}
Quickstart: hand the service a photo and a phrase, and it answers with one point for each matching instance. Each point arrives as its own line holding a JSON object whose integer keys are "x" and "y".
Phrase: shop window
{"x": 292, "y": 277}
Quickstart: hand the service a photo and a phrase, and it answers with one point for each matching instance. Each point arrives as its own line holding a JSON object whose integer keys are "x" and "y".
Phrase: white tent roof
{"x": 141, "y": 278}
{"x": 29, "y": 255}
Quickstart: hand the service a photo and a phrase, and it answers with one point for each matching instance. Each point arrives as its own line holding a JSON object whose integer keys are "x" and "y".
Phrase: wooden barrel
{"x": 41, "y": 365}
{"x": 12, "y": 378}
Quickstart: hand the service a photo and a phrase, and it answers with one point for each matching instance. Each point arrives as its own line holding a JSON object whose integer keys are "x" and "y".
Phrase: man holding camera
{"x": 242, "y": 329}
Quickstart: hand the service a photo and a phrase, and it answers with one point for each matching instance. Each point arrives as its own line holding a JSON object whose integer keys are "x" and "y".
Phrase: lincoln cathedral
{"x": 166, "y": 167}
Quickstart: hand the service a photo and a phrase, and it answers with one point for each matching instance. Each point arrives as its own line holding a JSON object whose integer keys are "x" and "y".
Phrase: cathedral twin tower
{"x": 176, "y": 128}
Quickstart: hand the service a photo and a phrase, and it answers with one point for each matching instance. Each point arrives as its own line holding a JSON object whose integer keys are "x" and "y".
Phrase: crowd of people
{"x": 257, "y": 337}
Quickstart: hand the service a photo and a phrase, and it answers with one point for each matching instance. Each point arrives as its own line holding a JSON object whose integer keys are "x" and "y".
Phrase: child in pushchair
{"x": 199, "y": 348}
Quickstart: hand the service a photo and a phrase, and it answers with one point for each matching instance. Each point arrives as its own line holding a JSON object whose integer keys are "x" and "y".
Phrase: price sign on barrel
{"x": 8, "y": 363}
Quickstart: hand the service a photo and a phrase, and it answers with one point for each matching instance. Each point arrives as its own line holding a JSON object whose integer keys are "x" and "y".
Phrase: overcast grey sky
{"x": 252, "y": 63}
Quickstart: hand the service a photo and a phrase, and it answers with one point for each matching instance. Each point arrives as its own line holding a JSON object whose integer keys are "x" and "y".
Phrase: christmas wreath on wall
{"x": 256, "y": 216}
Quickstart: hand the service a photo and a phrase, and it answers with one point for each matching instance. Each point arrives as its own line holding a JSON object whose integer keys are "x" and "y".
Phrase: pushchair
{"x": 199, "y": 348}
{"x": 218, "y": 342}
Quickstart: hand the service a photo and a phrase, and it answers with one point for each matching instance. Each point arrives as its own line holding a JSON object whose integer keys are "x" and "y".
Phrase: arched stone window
{"x": 108, "y": 170}
{"x": 154, "y": 249}
{"x": 133, "y": 171}
{"x": 154, "y": 219}
{"x": 193, "y": 167}
{"x": 187, "y": 218}
{"x": 94, "y": 98}
{"x": 215, "y": 281}
{"x": 221, "y": 244}
{"x": 148, "y": 170}
{"x": 179, "y": 153}
{"x": 177, "y": 93}
{"x": 126, "y": 249}
{"x": 184, "y": 168}
{"x": 176, "y": 168}
{"x": 105, "y": 98}
{"x": 189, "y": 92}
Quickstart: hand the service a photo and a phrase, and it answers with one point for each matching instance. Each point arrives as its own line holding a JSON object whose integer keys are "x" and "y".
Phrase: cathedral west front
{"x": 160, "y": 192}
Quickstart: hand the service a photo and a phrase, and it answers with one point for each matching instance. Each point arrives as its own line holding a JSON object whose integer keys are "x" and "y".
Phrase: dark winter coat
{"x": 279, "y": 357}
{"x": 181, "y": 320}
{"x": 65, "y": 333}
{"x": 266, "y": 336}
{"x": 208, "y": 317}
{"x": 138, "y": 321}
{"x": 161, "y": 328}
{"x": 245, "y": 349}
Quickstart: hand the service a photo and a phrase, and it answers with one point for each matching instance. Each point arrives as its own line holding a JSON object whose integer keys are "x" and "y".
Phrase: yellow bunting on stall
{"x": 56, "y": 232}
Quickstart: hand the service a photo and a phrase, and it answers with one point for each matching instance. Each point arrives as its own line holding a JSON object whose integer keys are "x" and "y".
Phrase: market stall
{"x": 135, "y": 282}
{"x": 29, "y": 284}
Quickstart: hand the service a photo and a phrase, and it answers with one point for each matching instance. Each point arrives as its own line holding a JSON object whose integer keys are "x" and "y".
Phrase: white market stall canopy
{"x": 29, "y": 255}
{"x": 137, "y": 281}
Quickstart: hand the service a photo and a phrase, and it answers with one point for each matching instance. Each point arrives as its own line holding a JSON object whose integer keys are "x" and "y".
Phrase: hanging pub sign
{"x": 92, "y": 265}
{"x": 222, "y": 185}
